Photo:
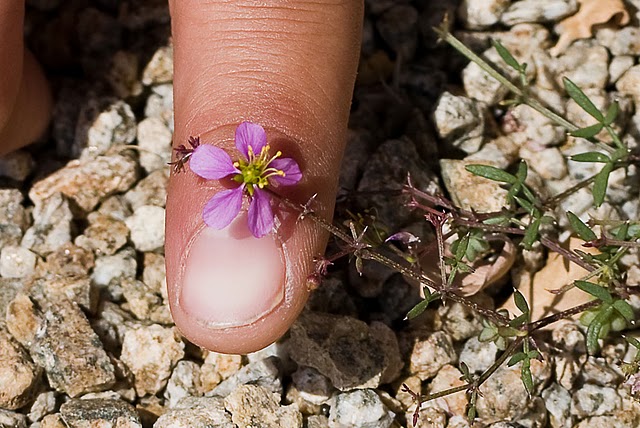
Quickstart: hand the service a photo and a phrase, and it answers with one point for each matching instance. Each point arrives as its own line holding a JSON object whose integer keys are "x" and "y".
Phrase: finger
{"x": 25, "y": 99}
{"x": 288, "y": 65}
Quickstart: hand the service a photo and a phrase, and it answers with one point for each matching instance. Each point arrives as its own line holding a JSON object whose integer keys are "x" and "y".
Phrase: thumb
{"x": 289, "y": 67}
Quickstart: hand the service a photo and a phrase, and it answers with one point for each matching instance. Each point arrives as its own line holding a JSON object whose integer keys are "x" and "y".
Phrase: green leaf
{"x": 506, "y": 55}
{"x": 531, "y": 234}
{"x": 500, "y": 220}
{"x": 595, "y": 328}
{"x": 491, "y": 173}
{"x": 612, "y": 113}
{"x": 583, "y": 231}
{"x": 516, "y": 322}
{"x": 624, "y": 309}
{"x": 587, "y": 132}
{"x": 487, "y": 335}
{"x": 590, "y": 157}
{"x": 581, "y": 99}
{"x": 461, "y": 248}
{"x": 595, "y": 290}
{"x": 525, "y": 204}
{"x": 521, "y": 302}
{"x": 600, "y": 184}
{"x": 622, "y": 231}
{"x": 417, "y": 309}
{"x": 522, "y": 172}
{"x": 527, "y": 379}
{"x": 516, "y": 358}
{"x": 633, "y": 342}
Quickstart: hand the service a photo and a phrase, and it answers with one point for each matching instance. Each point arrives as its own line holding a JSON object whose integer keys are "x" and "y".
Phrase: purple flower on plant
{"x": 258, "y": 170}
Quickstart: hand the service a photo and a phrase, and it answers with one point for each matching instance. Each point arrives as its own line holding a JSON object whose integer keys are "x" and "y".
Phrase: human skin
{"x": 288, "y": 65}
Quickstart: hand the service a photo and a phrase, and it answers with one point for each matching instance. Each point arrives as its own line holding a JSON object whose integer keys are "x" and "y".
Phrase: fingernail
{"x": 231, "y": 278}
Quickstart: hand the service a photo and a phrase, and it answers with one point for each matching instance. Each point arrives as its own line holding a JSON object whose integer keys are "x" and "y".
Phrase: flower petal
{"x": 260, "y": 216}
{"x": 250, "y": 134}
{"x": 211, "y": 163}
{"x": 292, "y": 173}
{"x": 222, "y": 208}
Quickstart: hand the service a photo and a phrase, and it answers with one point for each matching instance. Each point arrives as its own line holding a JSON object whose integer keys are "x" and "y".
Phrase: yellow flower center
{"x": 256, "y": 171}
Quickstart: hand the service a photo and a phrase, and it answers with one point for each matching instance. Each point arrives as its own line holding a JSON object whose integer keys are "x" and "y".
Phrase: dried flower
{"x": 257, "y": 171}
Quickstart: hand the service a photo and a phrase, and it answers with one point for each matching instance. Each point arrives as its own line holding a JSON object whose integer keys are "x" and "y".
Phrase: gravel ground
{"x": 88, "y": 339}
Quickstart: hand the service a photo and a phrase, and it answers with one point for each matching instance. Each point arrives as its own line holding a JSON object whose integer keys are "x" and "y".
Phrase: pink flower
{"x": 254, "y": 173}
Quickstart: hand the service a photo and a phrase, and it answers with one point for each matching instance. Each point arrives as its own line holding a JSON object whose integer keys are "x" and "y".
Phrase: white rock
{"x": 557, "y": 400}
{"x": 619, "y": 65}
{"x": 548, "y": 162}
{"x": 478, "y": 14}
{"x": 184, "y": 382}
{"x": 16, "y": 262}
{"x": 538, "y": 11}
{"x": 593, "y": 400}
{"x": 154, "y": 140}
{"x": 160, "y": 68}
{"x": 101, "y": 127}
{"x": 150, "y": 353}
{"x": 430, "y": 355}
{"x": 586, "y": 64}
{"x": 160, "y": 104}
{"x": 629, "y": 83}
{"x": 147, "y": 227}
{"x": 120, "y": 265}
{"x": 361, "y": 408}
{"x": 478, "y": 356}
{"x": 480, "y": 85}
{"x": 622, "y": 41}
{"x": 460, "y": 121}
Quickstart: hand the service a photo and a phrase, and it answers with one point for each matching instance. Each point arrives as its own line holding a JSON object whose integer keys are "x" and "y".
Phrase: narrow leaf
{"x": 516, "y": 358}
{"x": 521, "y": 302}
{"x": 587, "y": 132}
{"x": 527, "y": 379}
{"x": 583, "y": 231}
{"x": 622, "y": 231}
{"x": 595, "y": 290}
{"x": 491, "y": 173}
{"x": 595, "y": 329}
{"x": 531, "y": 234}
{"x": 522, "y": 172}
{"x": 590, "y": 157}
{"x": 506, "y": 55}
{"x": 612, "y": 113}
{"x": 624, "y": 309}
{"x": 581, "y": 99}
{"x": 600, "y": 184}
{"x": 417, "y": 310}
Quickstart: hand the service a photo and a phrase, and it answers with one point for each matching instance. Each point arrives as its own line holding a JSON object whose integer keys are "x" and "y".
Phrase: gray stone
{"x": 597, "y": 371}
{"x": 61, "y": 341}
{"x": 51, "y": 227}
{"x": 104, "y": 236}
{"x": 535, "y": 129}
{"x": 478, "y": 356}
{"x": 557, "y": 400}
{"x": 629, "y": 83}
{"x": 620, "y": 419}
{"x": 619, "y": 65}
{"x": 586, "y": 64}
{"x": 346, "y": 350}
{"x": 623, "y": 41}
{"x": 479, "y": 14}
{"x": 147, "y": 227}
{"x": 265, "y": 373}
{"x": 141, "y": 300}
{"x": 12, "y": 211}
{"x": 312, "y": 385}
{"x": 160, "y": 104}
{"x": 116, "y": 207}
{"x": 361, "y": 408}
{"x": 253, "y": 405}
{"x": 538, "y": 11}
{"x": 594, "y": 400}
{"x": 387, "y": 169}
{"x": 398, "y": 27}
{"x": 120, "y": 265}
{"x": 90, "y": 413}
{"x": 154, "y": 140}
{"x": 102, "y": 124}
{"x": 16, "y": 262}
{"x": 10, "y": 419}
{"x": 494, "y": 404}
{"x": 18, "y": 374}
{"x": 151, "y": 190}
{"x": 16, "y": 165}
{"x": 184, "y": 382}
{"x": 460, "y": 121}
{"x": 43, "y": 405}
{"x": 194, "y": 412}
{"x": 431, "y": 354}
{"x": 88, "y": 182}
{"x": 151, "y": 352}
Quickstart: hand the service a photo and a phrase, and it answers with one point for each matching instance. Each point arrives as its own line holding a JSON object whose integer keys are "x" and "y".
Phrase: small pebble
{"x": 196, "y": 412}
{"x": 16, "y": 165}
{"x": 147, "y": 228}
{"x": 253, "y": 405}
{"x": 154, "y": 140}
{"x": 594, "y": 400}
{"x": 361, "y": 408}
{"x": 16, "y": 262}
{"x": 428, "y": 356}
